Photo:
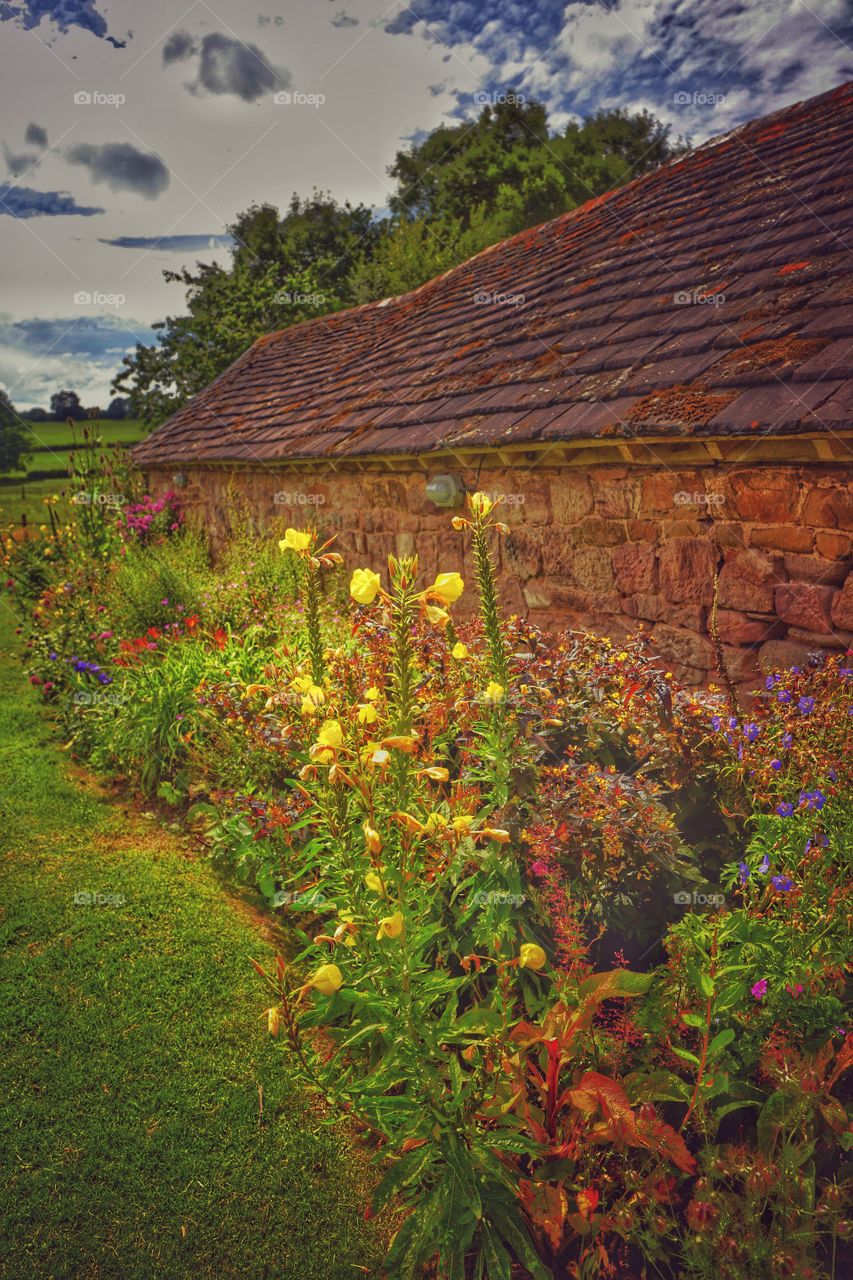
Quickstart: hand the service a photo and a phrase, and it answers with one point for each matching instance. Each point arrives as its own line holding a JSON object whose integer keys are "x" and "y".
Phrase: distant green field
{"x": 52, "y": 442}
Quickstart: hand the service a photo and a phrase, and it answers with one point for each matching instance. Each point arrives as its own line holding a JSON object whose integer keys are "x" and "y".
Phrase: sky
{"x": 134, "y": 132}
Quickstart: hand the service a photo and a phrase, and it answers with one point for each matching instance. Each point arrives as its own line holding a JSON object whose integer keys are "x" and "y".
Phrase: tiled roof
{"x": 712, "y": 296}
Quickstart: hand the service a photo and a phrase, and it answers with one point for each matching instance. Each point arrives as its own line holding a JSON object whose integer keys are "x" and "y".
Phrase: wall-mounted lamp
{"x": 445, "y": 491}
{"x": 179, "y": 480}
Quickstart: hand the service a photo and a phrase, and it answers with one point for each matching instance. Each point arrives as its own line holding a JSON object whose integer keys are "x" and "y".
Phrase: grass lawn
{"x": 134, "y": 1050}
{"x": 51, "y": 444}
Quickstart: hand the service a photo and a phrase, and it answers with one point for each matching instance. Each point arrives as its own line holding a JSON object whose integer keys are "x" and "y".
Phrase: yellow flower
{"x": 459, "y": 651}
{"x": 331, "y": 734}
{"x": 435, "y": 773}
{"x": 448, "y": 587}
{"x": 367, "y": 714}
{"x": 402, "y": 742}
{"x": 435, "y": 822}
{"x": 390, "y": 926}
{"x": 273, "y": 1021}
{"x": 481, "y": 503}
{"x": 372, "y": 694}
{"x": 364, "y": 586}
{"x": 295, "y": 540}
{"x": 372, "y": 838}
{"x": 380, "y": 757}
{"x": 313, "y": 700}
{"x": 438, "y": 617}
{"x": 494, "y": 692}
{"x": 495, "y": 833}
{"x": 373, "y": 881}
{"x": 327, "y": 980}
{"x": 302, "y": 683}
{"x": 462, "y": 823}
{"x": 531, "y": 956}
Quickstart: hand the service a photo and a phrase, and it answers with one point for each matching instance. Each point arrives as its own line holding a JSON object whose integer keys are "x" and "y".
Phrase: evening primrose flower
{"x": 329, "y": 739}
{"x": 327, "y": 980}
{"x": 313, "y": 700}
{"x": 390, "y": 926}
{"x": 480, "y": 503}
{"x": 364, "y": 586}
{"x": 367, "y": 713}
{"x": 448, "y": 587}
{"x": 438, "y": 617}
{"x": 295, "y": 540}
{"x": 459, "y": 651}
{"x": 372, "y": 838}
{"x": 531, "y": 956}
{"x": 373, "y": 882}
{"x": 462, "y": 823}
{"x": 372, "y": 694}
{"x": 494, "y": 692}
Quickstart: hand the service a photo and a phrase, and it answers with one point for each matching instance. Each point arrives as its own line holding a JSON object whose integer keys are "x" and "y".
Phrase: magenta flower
{"x": 759, "y": 989}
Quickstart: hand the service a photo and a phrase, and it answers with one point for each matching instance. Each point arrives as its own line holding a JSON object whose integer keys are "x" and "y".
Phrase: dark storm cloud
{"x": 64, "y": 13}
{"x": 179, "y": 46}
{"x": 36, "y": 136}
{"x": 93, "y": 336}
{"x": 172, "y": 244}
{"x": 24, "y": 202}
{"x": 123, "y": 167}
{"x": 226, "y": 65}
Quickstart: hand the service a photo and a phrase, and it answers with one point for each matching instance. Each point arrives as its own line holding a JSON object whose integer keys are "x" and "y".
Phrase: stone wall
{"x": 610, "y": 547}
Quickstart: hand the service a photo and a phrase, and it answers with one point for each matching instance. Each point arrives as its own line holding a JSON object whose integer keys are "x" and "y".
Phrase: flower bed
{"x": 569, "y": 941}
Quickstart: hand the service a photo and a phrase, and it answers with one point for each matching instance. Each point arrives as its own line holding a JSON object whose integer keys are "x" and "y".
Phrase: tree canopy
{"x": 463, "y": 187}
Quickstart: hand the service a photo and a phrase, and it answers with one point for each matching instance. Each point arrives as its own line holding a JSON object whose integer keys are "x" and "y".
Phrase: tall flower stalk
{"x": 303, "y": 542}
{"x": 481, "y": 521}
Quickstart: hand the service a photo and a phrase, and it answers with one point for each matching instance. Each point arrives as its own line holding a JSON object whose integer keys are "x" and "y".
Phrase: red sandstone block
{"x": 687, "y": 570}
{"x": 747, "y": 580}
{"x": 842, "y": 606}
{"x": 768, "y": 496}
{"x": 815, "y": 569}
{"x": 634, "y": 565}
{"x": 805, "y": 604}
{"x": 782, "y": 537}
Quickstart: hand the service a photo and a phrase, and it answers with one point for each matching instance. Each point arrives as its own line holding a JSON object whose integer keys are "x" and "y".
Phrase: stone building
{"x": 660, "y": 382}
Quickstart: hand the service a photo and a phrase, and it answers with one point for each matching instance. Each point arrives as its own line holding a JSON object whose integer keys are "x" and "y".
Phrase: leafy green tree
{"x": 66, "y": 404}
{"x": 284, "y": 269}
{"x": 14, "y": 437}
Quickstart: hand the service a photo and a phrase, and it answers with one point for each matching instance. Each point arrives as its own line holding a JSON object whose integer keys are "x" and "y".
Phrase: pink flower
{"x": 759, "y": 990}
{"x": 795, "y": 991}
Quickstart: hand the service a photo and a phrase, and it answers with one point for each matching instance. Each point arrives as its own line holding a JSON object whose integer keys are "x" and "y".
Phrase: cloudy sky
{"x": 133, "y": 132}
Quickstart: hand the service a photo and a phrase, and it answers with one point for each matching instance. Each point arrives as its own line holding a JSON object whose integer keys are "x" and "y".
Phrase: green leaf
{"x": 706, "y": 982}
{"x": 721, "y": 1040}
{"x": 687, "y": 1056}
{"x": 616, "y": 982}
{"x": 693, "y": 1020}
{"x": 406, "y": 1170}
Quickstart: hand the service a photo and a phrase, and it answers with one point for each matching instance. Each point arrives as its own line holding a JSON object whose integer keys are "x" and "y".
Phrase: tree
{"x": 118, "y": 409}
{"x": 66, "y": 404}
{"x": 284, "y": 269}
{"x": 14, "y": 438}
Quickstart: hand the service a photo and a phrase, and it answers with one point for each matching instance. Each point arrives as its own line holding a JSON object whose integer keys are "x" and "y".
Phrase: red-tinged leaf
{"x": 588, "y": 1202}
{"x": 547, "y": 1207}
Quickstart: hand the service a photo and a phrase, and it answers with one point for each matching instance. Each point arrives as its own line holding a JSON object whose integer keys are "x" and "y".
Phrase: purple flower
{"x": 743, "y": 872}
{"x": 782, "y": 883}
{"x": 759, "y": 989}
{"x": 771, "y": 681}
{"x": 715, "y": 723}
{"x": 52, "y": 657}
{"x": 784, "y": 695}
{"x": 785, "y": 809}
{"x": 751, "y": 732}
{"x": 764, "y": 865}
{"x": 787, "y": 740}
{"x": 776, "y": 765}
{"x": 806, "y": 706}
